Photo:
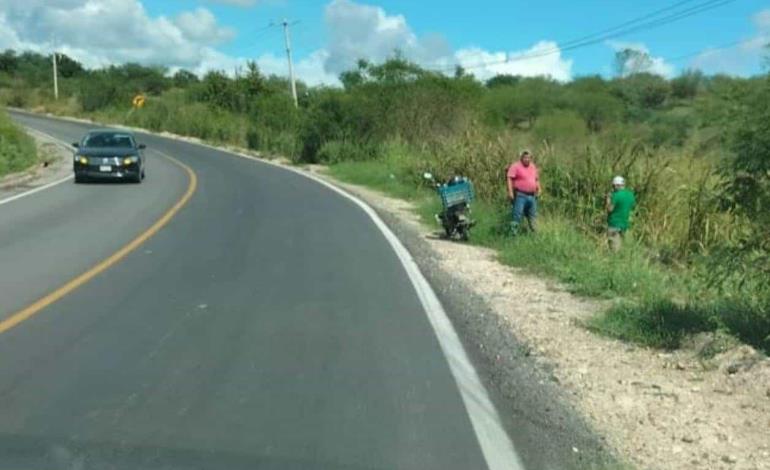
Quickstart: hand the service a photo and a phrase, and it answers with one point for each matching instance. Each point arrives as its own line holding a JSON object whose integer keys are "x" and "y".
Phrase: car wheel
{"x": 80, "y": 179}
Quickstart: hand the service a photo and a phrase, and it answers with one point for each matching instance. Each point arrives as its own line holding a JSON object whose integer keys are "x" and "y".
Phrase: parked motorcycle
{"x": 456, "y": 196}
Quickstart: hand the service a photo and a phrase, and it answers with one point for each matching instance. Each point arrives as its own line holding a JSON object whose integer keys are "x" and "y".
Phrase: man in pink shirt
{"x": 523, "y": 190}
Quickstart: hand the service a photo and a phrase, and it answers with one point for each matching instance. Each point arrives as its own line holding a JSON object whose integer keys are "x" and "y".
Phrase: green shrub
{"x": 655, "y": 323}
{"x": 687, "y": 85}
{"x": 598, "y": 109}
{"x": 669, "y": 129}
{"x": 561, "y": 126}
{"x": 644, "y": 90}
{"x": 336, "y": 151}
{"x": 17, "y": 149}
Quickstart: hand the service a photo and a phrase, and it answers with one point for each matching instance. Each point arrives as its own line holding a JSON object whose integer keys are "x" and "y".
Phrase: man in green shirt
{"x": 619, "y": 204}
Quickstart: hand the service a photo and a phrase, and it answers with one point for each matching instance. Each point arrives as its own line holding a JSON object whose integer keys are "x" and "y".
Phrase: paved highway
{"x": 267, "y": 324}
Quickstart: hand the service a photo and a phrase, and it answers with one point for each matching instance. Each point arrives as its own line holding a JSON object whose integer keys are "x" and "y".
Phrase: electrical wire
{"x": 601, "y": 37}
{"x": 711, "y": 50}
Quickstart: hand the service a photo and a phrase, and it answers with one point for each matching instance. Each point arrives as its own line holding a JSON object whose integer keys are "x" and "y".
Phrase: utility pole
{"x": 55, "y": 77}
{"x": 291, "y": 65}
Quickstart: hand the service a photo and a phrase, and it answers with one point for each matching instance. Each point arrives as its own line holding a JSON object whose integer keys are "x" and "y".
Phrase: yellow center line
{"x": 35, "y": 308}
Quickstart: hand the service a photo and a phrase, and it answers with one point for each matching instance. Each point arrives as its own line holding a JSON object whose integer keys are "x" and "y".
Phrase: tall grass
{"x": 655, "y": 304}
{"x": 17, "y": 149}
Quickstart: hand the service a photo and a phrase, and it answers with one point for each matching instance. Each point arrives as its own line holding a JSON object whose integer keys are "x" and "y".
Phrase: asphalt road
{"x": 269, "y": 324}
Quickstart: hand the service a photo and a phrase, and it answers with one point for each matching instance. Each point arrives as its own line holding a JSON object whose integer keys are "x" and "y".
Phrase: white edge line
{"x": 36, "y": 190}
{"x": 45, "y": 186}
{"x": 495, "y": 444}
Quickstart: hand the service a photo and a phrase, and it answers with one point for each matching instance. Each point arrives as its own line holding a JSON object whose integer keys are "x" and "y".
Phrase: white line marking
{"x": 495, "y": 444}
{"x": 33, "y": 191}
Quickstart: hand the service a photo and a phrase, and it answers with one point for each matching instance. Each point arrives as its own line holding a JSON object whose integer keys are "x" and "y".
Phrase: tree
{"x": 503, "y": 80}
{"x": 217, "y": 89}
{"x": 596, "y": 108}
{"x": 644, "y": 90}
{"x": 68, "y": 67}
{"x": 8, "y": 61}
{"x": 748, "y": 260}
{"x": 396, "y": 70}
{"x": 590, "y": 83}
{"x": 140, "y": 78}
{"x": 522, "y": 103}
{"x": 184, "y": 78}
{"x": 632, "y": 61}
{"x": 253, "y": 82}
{"x": 687, "y": 84}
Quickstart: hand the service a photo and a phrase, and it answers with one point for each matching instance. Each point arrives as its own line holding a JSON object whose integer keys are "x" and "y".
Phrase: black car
{"x": 109, "y": 154}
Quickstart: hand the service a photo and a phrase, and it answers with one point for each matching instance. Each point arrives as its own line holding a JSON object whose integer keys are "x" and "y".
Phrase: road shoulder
{"x": 54, "y": 165}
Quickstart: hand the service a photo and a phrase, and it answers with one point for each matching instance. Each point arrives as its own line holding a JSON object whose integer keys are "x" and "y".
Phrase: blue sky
{"x": 331, "y": 34}
{"x": 503, "y": 25}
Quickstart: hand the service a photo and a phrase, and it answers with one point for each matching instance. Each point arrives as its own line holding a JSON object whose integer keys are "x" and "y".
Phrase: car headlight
{"x": 130, "y": 160}
{"x": 82, "y": 160}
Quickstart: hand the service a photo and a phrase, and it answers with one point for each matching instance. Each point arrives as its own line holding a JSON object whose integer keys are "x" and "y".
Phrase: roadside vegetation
{"x": 695, "y": 149}
{"x": 17, "y": 149}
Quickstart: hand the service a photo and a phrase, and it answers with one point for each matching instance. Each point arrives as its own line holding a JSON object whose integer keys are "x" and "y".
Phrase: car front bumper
{"x": 116, "y": 172}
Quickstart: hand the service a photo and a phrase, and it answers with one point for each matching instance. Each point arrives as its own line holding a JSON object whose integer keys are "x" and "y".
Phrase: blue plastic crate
{"x": 456, "y": 193}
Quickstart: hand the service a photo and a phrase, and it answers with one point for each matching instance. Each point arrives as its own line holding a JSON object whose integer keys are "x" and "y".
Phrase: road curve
{"x": 268, "y": 325}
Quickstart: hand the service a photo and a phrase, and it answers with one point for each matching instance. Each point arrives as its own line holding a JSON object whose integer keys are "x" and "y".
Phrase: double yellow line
{"x": 35, "y": 308}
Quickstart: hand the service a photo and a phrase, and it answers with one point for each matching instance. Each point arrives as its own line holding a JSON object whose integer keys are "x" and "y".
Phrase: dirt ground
{"x": 657, "y": 410}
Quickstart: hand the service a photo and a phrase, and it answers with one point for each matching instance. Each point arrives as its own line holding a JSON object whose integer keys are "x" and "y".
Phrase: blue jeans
{"x": 524, "y": 205}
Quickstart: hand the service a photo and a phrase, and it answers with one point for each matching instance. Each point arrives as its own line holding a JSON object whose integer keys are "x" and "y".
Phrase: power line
{"x": 601, "y": 37}
{"x": 711, "y": 50}
{"x": 259, "y": 33}
{"x": 628, "y": 23}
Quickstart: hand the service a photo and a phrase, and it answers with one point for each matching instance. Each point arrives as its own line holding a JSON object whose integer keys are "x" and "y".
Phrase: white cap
{"x": 618, "y": 181}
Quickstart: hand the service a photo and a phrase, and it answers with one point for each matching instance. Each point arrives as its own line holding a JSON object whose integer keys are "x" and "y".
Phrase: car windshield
{"x": 109, "y": 139}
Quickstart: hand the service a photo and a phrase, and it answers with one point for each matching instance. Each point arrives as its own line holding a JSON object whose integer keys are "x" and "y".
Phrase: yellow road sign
{"x": 138, "y": 101}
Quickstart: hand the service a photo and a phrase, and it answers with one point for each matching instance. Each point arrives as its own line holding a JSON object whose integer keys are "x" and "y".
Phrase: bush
{"x": 562, "y": 126}
{"x": 17, "y": 149}
{"x": 656, "y": 323}
{"x": 686, "y": 85}
{"x": 598, "y": 109}
{"x": 521, "y": 104}
{"x": 644, "y": 90}
{"x": 669, "y": 129}
{"x": 100, "y": 92}
{"x": 336, "y": 151}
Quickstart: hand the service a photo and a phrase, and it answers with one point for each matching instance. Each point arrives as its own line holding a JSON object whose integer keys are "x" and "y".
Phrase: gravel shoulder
{"x": 54, "y": 164}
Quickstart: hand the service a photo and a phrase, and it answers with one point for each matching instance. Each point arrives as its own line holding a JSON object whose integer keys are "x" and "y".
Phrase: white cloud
{"x": 762, "y": 20}
{"x": 657, "y": 65}
{"x": 310, "y": 69}
{"x": 741, "y": 59}
{"x": 359, "y": 31}
{"x": 201, "y": 25}
{"x": 101, "y": 32}
{"x": 542, "y": 59}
